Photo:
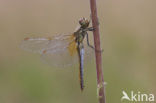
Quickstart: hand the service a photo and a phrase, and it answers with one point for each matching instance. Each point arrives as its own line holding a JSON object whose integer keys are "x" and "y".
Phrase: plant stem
{"x": 100, "y": 80}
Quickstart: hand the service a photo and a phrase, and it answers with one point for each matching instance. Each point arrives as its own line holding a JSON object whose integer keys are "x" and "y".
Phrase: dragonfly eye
{"x": 84, "y": 22}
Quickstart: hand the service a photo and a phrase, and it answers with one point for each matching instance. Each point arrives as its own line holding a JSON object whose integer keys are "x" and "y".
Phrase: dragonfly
{"x": 64, "y": 50}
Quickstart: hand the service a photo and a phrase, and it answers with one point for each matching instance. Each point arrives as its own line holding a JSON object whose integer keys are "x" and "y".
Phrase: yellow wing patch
{"x": 72, "y": 46}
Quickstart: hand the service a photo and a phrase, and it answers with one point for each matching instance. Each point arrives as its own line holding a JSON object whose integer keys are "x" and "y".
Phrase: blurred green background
{"x": 128, "y": 36}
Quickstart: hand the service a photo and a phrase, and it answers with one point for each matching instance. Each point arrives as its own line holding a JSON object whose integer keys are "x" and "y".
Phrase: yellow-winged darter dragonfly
{"x": 64, "y": 50}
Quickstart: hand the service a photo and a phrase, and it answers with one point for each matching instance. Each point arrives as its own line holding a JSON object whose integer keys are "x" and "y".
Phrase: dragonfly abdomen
{"x": 81, "y": 65}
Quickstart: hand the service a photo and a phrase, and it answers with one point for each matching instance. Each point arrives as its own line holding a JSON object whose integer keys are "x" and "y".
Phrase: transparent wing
{"x": 38, "y": 45}
{"x": 59, "y": 51}
{"x": 59, "y": 58}
{"x": 66, "y": 56}
{"x": 89, "y": 54}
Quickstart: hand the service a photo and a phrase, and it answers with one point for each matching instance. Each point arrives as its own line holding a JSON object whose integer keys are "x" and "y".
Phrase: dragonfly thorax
{"x": 80, "y": 34}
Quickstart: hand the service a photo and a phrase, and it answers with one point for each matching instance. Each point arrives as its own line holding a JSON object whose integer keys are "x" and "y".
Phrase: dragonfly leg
{"x": 90, "y": 29}
{"x": 91, "y": 45}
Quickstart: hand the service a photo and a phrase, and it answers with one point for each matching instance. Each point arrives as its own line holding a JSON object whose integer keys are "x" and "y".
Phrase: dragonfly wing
{"x": 60, "y": 57}
{"x": 38, "y": 45}
{"x": 64, "y": 53}
{"x": 89, "y": 54}
{"x": 60, "y": 50}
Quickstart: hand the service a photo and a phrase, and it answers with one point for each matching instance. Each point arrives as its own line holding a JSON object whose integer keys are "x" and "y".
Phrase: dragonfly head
{"x": 84, "y": 22}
